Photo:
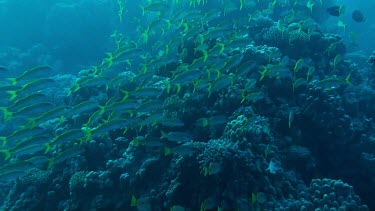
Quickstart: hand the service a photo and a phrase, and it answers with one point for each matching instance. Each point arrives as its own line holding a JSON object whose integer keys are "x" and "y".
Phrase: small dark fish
{"x": 335, "y": 10}
{"x": 358, "y": 16}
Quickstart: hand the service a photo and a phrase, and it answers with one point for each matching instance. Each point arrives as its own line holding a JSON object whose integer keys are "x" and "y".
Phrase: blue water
{"x": 177, "y": 125}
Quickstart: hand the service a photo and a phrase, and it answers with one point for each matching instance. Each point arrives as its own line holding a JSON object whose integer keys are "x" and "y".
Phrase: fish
{"x": 7, "y": 87}
{"x": 149, "y": 106}
{"x": 51, "y": 114}
{"x": 33, "y": 140}
{"x": 309, "y": 73}
{"x": 178, "y": 137}
{"x": 83, "y": 107}
{"x": 28, "y": 111}
{"x": 182, "y": 150}
{"x": 122, "y": 105}
{"x": 209, "y": 203}
{"x": 146, "y": 92}
{"x": 200, "y": 85}
{"x": 213, "y": 168}
{"x": 124, "y": 54}
{"x": 211, "y": 15}
{"x": 153, "y": 119}
{"x": 147, "y": 141}
{"x": 298, "y": 66}
{"x": 154, "y": 7}
{"x": 233, "y": 61}
{"x": 341, "y": 24}
{"x": 92, "y": 82}
{"x": 290, "y": 118}
{"x": 358, "y": 16}
{"x": 114, "y": 124}
{"x": 27, "y": 100}
{"x": 217, "y": 50}
{"x": 254, "y": 96}
{"x": 211, "y": 121}
{"x": 336, "y": 10}
{"x": 141, "y": 203}
{"x": 253, "y": 198}
{"x": 202, "y": 47}
{"x": 220, "y": 83}
{"x": 16, "y": 166}
{"x": 336, "y": 60}
{"x": 33, "y": 73}
{"x": 144, "y": 75}
{"x": 245, "y": 68}
{"x": 95, "y": 117}
{"x": 33, "y": 86}
{"x": 40, "y": 162}
{"x": 20, "y": 134}
{"x": 178, "y": 208}
{"x": 310, "y": 5}
{"x": 159, "y": 24}
{"x": 331, "y": 82}
{"x": 65, "y": 155}
{"x": 264, "y": 72}
{"x": 23, "y": 149}
{"x": 11, "y": 175}
{"x": 189, "y": 76}
{"x": 171, "y": 122}
{"x": 66, "y": 137}
{"x": 299, "y": 82}
{"x": 233, "y": 43}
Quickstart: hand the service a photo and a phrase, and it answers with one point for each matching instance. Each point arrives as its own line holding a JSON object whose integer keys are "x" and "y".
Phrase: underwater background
{"x": 187, "y": 105}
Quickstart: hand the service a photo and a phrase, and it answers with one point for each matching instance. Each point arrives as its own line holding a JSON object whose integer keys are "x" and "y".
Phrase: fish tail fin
{"x": 4, "y": 140}
{"x": 195, "y": 83}
{"x": 102, "y": 110}
{"x": 125, "y": 130}
{"x": 347, "y": 80}
{"x": 6, "y": 154}
{"x": 201, "y": 38}
{"x": 12, "y": 80}
{"x": 205, "y": 55}
{"x": 13, "y": 94}
{"x": 132, "y": 79}
{"x": 143, "y": 10}
{"x": 231, "y": 78}
{"x": 88, "y": 133}
{"x": 205, "y": 122}
{"x": 62, "y": 119}
{"x": 31, "y": 124}
{"x": 209, "y": 89}
{"x": 253, "y": 198}
{"x": 243, "y": 95}
{"x": 169, "y": 23}
{"x": 163, "y": 134}
{"x": 7, "y": 114}
{"x": 168, "y": 87}
{"x": 75, "y": 87}
{"x": 167, "y": 151}
{"x": 126, "y": 94}
{"x": 48, "y": 148}
{"x": 222, "y": 47}
{"x": 51, "y": 163}
{"x": 202, "y": 122}
{"x": 206, "y": 171}
{"x": 136, "y": 142}
{"x": 178, "y": 88}
{"x": 134, "y": 201}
